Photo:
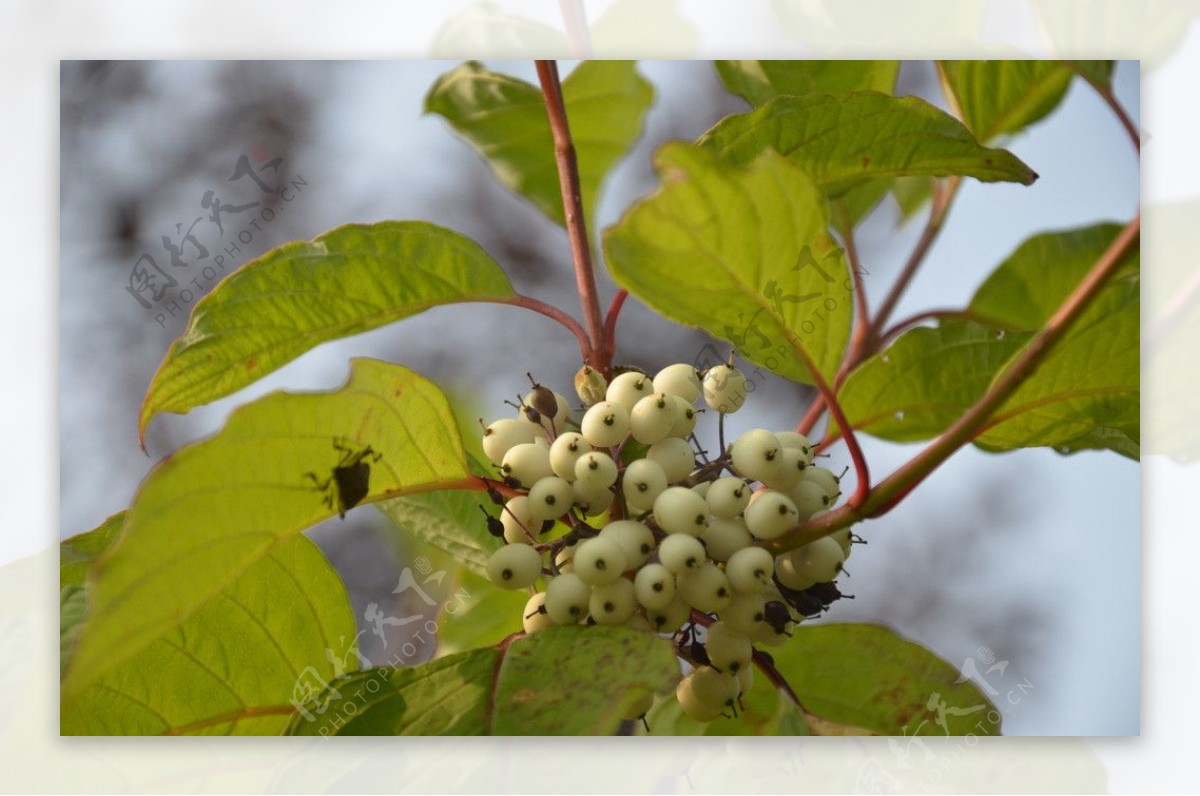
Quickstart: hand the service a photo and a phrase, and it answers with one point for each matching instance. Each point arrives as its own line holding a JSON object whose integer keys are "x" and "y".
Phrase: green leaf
{"x": 760, "y": 81}
{"x": 349, "y": 280}
{"x": 579, "y": 680}
{"x": 844, "y": 140}
{"x": 478, "y": 614}
{"x": 209, "y": 512}
{"x": 1028, "y": 287}
{"x": 560, "y": 681}
{"x": 911, "y": 194}
{"x": 868, "y": 678}
{"x": 1084, "y": 395}
{"x": 237, "y": 664}
{"x": 505, "y": 120}
{"x": 741, "y": 253}
{"x": 1098, "y": 73}
{"x": 1004, "y": 97}
{"x": 448, "y": 696}
{"x": 77, "y": 554}
{"x": 448, "y": 520}
{"x": 918, "y": 386}
{"x": 72, "y": 608}
{"x": 1087, "y": 392}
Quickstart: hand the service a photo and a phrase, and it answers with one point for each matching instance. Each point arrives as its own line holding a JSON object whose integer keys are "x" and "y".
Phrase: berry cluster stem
{"x": 598, "y": 355}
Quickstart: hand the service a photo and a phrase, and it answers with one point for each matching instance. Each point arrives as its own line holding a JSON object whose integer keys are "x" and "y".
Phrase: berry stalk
{"x": 568, "y": 180}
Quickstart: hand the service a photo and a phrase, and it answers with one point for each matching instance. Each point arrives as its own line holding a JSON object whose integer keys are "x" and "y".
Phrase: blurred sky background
{"x": 1030, "y": 555}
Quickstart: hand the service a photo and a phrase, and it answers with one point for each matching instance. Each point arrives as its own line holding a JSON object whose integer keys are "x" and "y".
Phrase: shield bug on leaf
{"x": 349, "y": 481}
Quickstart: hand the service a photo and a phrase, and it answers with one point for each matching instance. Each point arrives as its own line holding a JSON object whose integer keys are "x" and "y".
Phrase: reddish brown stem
{"x": 550, "y": 311}
{"x": 939, "y": 208}
{"x": 861, "y": 473}
{"x": 610, "y": 320}
{"x": 893, "y": 489}
{"x": 568, "y": 181}
{"x": 887, "y": 493}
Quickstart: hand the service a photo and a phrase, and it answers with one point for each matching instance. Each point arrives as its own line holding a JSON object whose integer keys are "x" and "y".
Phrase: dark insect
{"x": 777, "y": 616}
{"x": 350, "y": 480}
{"x": 494, "y": 525}
{"x": 814, "y": 600}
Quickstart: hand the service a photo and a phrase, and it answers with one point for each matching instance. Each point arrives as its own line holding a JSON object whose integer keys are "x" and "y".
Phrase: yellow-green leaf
{"x": 241, "y": 665}
{"x": 742, "y": 253}
{"x": 759, "y": 81}
{"x": 210, "y": 512}
{"x": 843, "y": 140}
{"x": 505, "y": 120}
{"x": 273, "y": 309}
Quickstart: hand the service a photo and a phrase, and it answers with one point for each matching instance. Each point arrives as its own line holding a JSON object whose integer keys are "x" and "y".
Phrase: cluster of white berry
{"x": 667, "y": 541}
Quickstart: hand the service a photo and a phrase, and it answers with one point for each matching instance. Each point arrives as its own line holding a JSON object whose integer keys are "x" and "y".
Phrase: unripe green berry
{"x": 819, "y": 561}
{"x": 790, "y": 470}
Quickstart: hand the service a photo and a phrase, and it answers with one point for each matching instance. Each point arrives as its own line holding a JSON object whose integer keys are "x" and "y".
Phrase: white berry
{"x": 652, "y": 418}
{"x": 675, "y": 456}
{"x": 514, "y": 566}
{"x": 643, "y": 481}
{"x": 605, "y": 424}
{"x": 755, "y": 455}
{"x": 680, "y": 510}
{"x": 770, "y": 514}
